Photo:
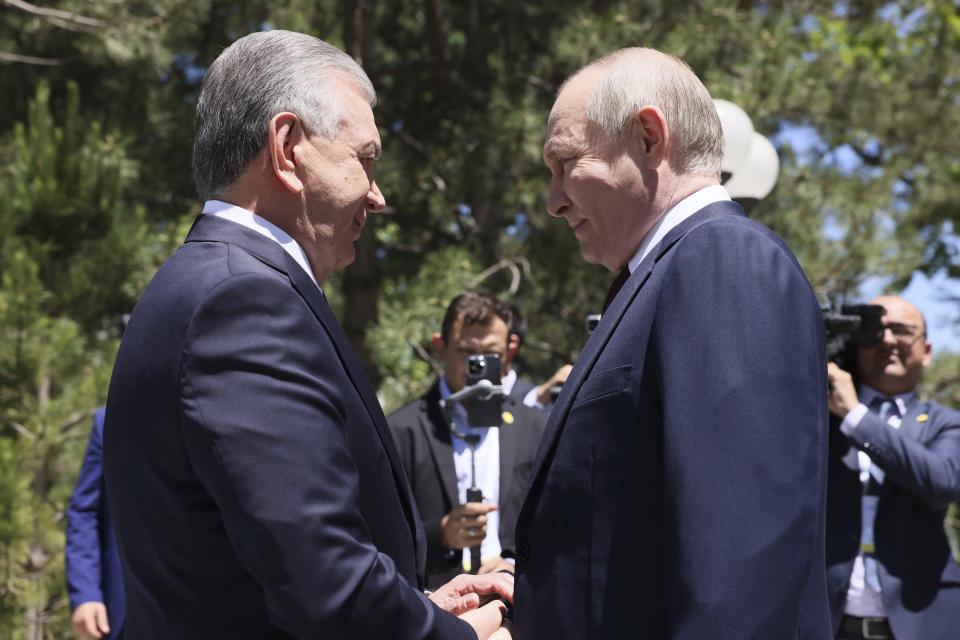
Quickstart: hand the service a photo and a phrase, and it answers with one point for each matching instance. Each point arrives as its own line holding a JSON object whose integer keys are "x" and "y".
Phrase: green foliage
{"x": 73, "y": 256}
{"x": 95, "y": 190}
{"x": 409, "y": 316}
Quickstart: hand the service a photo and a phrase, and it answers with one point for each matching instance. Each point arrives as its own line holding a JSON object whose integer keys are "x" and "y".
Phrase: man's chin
{"x": 346, "y": 256}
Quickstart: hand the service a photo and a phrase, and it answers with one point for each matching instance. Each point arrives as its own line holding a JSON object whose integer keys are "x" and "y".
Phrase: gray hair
{"x": 637, "y": 77}
{"x": 255, "y": 78}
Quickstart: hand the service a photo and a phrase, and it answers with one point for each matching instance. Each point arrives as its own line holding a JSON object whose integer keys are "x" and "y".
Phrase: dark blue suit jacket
{"x": 92, "y": 559}
{"x": 919, "y": 578}
{"x": 679, "y": 488}
{"x": 255, "y": 487}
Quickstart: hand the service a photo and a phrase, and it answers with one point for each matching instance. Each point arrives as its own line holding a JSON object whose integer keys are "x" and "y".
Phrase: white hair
{"x": 252, "y": 80}
{"x": 637, "y": 77}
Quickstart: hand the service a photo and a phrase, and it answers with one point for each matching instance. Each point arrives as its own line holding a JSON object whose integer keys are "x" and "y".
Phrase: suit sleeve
{"x": 82, "y": 550}
{"x": 738, "y": 349}
{"x": 265, "y": 429}
{"x": 928, "y": 470}
{"x": 404, "y": 433}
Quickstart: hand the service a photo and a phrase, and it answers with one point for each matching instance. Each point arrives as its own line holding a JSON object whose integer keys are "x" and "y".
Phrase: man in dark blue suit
{"x": 94, "y": 581}
{"x": 679, "y": 488}
{"x": 254, "y": 485}
{"x": 894, "y": 470}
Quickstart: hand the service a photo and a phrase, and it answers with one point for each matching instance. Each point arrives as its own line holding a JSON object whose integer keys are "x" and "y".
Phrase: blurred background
{"x": 859, "y": 99}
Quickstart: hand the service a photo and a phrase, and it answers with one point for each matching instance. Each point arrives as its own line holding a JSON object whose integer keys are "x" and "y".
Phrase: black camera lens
{"x": 476, "y": 366}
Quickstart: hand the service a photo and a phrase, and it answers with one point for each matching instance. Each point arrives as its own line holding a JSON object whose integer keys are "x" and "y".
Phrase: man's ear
{"x": 513, "y": 347}
{"x": 650, "y": 127}
{"x": 284, "y": 133}
{"x": 436, "y": 341}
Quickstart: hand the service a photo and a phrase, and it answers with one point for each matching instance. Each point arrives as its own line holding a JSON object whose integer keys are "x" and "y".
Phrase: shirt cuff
{"x": 530, "y": 399}
{"x": 852, "y": 419}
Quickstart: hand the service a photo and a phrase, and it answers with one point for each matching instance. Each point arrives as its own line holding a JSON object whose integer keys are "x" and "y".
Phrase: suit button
{"x": 866, "y": 445}
{"x": 524, "y": 551}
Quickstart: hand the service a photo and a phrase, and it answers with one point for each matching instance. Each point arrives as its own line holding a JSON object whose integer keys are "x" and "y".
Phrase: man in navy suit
{"x": 894, "y": 470}
{"x": 679, "y": 488}
{"x": 254, "y": 485}
{"x": 94, "y": 581}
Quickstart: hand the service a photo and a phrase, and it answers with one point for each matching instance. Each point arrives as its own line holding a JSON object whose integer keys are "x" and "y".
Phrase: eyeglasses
{"x": 905, "y": 334}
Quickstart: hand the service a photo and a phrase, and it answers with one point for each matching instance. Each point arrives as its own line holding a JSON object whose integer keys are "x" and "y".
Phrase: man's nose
{"x": 375, "y": 200}
{"x": 889, "y": 339}
{"x": 557, "y": 201}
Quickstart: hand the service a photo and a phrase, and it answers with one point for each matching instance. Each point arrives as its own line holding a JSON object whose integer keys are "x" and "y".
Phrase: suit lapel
{"x": 909, "y": 426}
{"x": 212, "y": 229}
{"x": 437, "y": 433}
{"x": 601, "y": 336}
{"x": 508, "y": 452}
{"x": 318, "y": 302}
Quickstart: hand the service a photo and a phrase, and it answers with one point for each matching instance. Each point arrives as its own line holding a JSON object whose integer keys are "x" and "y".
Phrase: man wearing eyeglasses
{"x": 894, "y": 470}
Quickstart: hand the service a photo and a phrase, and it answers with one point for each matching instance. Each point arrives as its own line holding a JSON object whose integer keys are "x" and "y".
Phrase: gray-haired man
{"x": 255, "y": 488}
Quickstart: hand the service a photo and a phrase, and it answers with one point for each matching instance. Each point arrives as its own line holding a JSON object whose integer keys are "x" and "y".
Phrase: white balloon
{"x": 757, "y": 176}
{"x": 737, "y": 135}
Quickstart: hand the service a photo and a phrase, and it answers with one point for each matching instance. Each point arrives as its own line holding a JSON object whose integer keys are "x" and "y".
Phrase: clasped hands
{"x": 466, "y": 526}
{"x": 463, "y": 595}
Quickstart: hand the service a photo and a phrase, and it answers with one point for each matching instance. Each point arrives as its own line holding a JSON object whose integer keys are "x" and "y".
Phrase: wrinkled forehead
{"x": 357, "y": 121}
{"x": 573, "y": 97}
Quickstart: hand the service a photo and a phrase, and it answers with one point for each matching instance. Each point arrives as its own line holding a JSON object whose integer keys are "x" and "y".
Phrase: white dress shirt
{"x": 674, "y": 216}
{"x": 264, "y": 227}
{"x": 488, "y": 474}
{"x": 864, "y": 599}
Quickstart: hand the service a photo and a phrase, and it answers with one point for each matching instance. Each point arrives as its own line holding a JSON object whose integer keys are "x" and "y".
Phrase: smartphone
{"x": 483, "y": 412}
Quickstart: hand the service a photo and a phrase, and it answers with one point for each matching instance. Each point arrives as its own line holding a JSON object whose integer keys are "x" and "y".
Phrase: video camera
{"x": 855, "y": 325}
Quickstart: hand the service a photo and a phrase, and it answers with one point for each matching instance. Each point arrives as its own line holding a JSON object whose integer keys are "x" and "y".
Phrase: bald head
{"x": 903, "y": 309}
{"x": 897, "y": 363}
{"x": 629, "y": 79}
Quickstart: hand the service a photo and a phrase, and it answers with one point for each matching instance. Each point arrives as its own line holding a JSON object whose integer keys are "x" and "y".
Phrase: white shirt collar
{"x": 508, "y": 381}
{"x": 868, "y": 394}
{"x": 674, "y": 216}
{"x": 264, "y": 227}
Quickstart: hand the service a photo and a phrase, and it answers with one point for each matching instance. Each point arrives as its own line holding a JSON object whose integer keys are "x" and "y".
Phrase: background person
{"x": 894, "y": 470}
{"x": 679, "y": 488}
{"x": 94, "y": 578}
{"x": 438, "y": 463}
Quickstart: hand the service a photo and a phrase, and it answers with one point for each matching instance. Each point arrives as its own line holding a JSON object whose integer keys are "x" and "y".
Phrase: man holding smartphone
{"x": 438, "y": 461}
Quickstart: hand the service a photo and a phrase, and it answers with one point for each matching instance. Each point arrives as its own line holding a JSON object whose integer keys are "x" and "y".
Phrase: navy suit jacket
{"x": 92, "y": 560}
{"x": 679, "y": 489}
{"x": 919, "y": 578}
{"x": 255, "y": 488}
{"x": 423, "y": 439}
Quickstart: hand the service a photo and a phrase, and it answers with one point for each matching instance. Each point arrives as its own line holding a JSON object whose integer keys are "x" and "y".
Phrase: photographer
{"x": 438, "y": 463}
{"x": 894, "y": 468}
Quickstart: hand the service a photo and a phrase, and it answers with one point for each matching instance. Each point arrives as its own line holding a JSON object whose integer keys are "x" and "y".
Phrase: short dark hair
{"x": 474, "y": 308}
{"x": 518, "y": 326}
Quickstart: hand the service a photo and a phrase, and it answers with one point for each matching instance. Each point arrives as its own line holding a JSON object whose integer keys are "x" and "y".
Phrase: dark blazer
{"x": 423, "y": 440}
{"x": 255, "y": 488}
{"x": 919, "y": 578}
{"x": 521, "y": 387}
{"x": 92, "y": 560}
{"x": 679, "y": 488}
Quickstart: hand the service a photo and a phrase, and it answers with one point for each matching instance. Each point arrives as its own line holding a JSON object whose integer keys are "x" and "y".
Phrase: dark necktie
{"x": 615, "y": 287}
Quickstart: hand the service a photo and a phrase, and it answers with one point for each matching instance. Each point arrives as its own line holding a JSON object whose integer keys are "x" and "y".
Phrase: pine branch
{"x": 57, "y": 17}
{"x": 6, "y": 56}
